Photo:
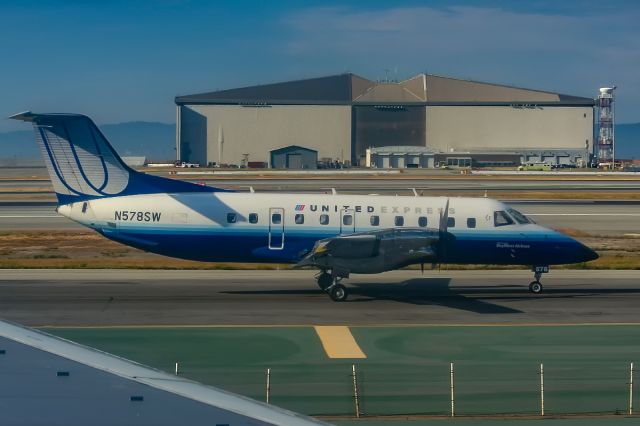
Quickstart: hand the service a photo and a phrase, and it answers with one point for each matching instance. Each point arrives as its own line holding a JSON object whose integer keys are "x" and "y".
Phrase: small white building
{"x": 134, "y": 161}
{"x": 400, "y": 157}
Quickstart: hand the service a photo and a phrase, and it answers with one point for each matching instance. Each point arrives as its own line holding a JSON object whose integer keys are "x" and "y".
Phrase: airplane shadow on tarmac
{"x": 425, "y": 291}
{"x": 419, "y": 291}
{"x": 482, "y": 299}
{"x": 479, "y": 299}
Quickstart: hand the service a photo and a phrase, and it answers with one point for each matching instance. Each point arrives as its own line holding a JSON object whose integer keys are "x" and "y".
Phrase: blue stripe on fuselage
{"x": 517, "y": 246}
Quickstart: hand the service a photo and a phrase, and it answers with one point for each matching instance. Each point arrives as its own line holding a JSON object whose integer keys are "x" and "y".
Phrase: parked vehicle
{"x": 185, "y": 165}
{"x": 535, "y": 167}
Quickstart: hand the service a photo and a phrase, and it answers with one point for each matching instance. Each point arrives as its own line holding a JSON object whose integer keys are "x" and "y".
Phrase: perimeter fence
{"x": 459, "y": 389}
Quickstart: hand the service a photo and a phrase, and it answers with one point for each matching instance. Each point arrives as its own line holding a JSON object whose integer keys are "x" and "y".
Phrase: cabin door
{"x": 276, "y": 228}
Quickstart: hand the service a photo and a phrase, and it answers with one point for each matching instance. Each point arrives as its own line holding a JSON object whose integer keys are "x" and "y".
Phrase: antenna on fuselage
{"x": 333, "y": 191}
{"x": 415, "y": 193}
{"x": 251, "y": 190}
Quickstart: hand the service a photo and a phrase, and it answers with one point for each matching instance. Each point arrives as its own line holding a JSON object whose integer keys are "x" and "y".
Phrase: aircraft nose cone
{"x": 589, "y": 254}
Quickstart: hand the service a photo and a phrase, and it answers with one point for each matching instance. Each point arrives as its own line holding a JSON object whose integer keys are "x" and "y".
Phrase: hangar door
{"x": 387, "y": 125}
{"x": 294, "y": 161}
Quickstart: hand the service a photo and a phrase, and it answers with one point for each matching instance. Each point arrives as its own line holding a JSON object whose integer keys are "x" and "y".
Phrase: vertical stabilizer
{"x": 83, "y": 165}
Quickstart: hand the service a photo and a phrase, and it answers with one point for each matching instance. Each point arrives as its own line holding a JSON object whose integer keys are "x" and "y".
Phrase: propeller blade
{"x": 444, "y": 222}
{"x": 444, "y": 218}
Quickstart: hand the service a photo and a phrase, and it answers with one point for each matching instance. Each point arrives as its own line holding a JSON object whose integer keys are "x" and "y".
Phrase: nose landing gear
{"x": 535, "y": 286}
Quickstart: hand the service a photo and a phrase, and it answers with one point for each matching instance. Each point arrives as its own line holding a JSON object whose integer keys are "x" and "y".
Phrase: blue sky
{"x": 126, "y": 60}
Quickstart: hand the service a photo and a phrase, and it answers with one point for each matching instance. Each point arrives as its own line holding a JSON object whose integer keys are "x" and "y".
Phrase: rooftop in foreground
{"x": 49, "y": 380}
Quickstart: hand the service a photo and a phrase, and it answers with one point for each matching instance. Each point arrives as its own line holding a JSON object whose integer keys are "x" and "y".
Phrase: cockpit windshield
{"x": 501, "y": 218}
{"x": 519, "y": 217}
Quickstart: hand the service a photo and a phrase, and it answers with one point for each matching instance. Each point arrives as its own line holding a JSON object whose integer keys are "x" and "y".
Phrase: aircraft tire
{"x": 535, "y": 287}
{"x": 338, "y": 293}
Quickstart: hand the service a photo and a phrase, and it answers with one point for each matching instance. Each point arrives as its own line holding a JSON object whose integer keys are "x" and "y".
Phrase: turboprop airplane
{"x": 337, "y": 234}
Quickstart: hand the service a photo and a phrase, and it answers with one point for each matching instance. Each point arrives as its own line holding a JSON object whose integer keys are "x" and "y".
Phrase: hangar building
{"x": 340, "y": 117}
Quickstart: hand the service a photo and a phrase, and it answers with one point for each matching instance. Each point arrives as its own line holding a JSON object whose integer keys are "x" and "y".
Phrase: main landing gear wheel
{"x": 338, "y": 293}
{"x": 535, "y": 287}
{"x": 324, "y": 281}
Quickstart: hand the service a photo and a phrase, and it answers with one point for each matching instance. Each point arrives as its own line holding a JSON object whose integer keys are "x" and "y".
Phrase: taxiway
{"x": 403, "y": 298}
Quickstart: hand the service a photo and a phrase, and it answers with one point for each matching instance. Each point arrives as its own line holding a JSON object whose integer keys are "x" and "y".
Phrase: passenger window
{"x": 347, "y": 219}
{"x": 399, "y": 220}
{"x": 422, "y": 221}
{"x": 375, "y": 220}
{"x": 324, "y": 219}
{"x": 253, "y": 217}
{"x": 471, "y": 222}
{"x": 451, "y": 222}
{"x": 231, "y": 218}
{"x": 299, "y": 219}
{"x": 276, "y": 218}
{"x": 500, "y": 218}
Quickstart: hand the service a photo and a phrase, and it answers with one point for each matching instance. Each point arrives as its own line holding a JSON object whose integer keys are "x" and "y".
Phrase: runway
{"x": 595, "y": 217}
{"x": 383, "y": 185}
{"x": 403, "y": 298}
{"x": 402, "y": 185}
{"x": 18, "y": 216}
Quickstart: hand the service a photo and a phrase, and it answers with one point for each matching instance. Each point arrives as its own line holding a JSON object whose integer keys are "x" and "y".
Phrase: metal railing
{"x": 453, "y": 389}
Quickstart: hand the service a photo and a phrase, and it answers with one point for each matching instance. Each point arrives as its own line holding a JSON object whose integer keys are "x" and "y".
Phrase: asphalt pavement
{"x": 386, "y": 184}
{"x": 403, "y": 298}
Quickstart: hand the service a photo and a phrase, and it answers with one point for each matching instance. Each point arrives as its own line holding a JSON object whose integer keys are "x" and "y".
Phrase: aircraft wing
{"x": 47, "y": 380}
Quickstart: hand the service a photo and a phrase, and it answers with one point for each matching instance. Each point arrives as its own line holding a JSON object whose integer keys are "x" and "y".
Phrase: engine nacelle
{"x": 374, "y": 252}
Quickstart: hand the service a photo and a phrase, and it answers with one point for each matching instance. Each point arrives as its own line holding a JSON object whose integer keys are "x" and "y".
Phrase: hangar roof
{"x": 292, "y": 148}
{"x": 351, "y": 89}
{"x": 330, "y": 90}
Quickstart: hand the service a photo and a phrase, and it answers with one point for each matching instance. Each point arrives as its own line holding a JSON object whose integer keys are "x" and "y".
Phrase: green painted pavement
{"x": 586, "y": 368}
{"x": 407, "y": 369}
{"x": 595, "y": 421}
{"x": 236, "y": 359}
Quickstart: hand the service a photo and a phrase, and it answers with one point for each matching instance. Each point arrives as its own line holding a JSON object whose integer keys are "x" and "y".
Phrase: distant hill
{"x": 156, "y": 141}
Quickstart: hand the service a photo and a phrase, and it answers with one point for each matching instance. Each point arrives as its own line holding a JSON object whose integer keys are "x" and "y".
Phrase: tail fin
{"x": 84, "y": 166}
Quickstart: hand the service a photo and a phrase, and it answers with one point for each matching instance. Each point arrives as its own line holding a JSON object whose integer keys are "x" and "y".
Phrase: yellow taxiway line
{"x": 338, "y": 342}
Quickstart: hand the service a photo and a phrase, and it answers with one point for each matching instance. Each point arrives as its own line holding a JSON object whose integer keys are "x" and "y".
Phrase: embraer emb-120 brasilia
{"x": 338, "y": 234}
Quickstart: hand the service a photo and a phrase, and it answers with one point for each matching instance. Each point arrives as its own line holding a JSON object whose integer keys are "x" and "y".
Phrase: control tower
{"x": 606, "y": 121}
